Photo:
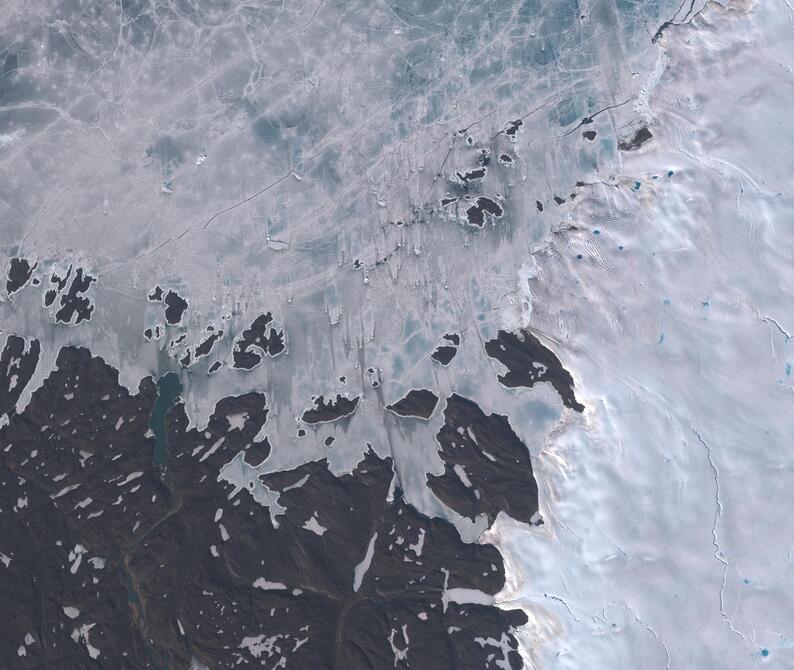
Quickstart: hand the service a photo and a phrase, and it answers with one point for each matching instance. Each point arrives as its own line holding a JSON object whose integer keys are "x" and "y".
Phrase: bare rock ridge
{"x": 144, "y": 570}
{"x": 528, "y": 362}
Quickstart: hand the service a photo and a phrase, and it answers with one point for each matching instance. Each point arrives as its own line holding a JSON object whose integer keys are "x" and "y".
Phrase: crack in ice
{"x": 640, "y": 621}
{"x": 521, "y": 602}
{"x": 782, "y": 330}
{"x": 715, "y": 541}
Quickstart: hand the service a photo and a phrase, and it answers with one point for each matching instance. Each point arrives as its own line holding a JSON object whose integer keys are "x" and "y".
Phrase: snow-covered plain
{"x": 670, "y": 541}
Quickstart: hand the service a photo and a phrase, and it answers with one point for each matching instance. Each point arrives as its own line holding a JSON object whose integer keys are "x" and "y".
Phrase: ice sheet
{"x": 293, "y": 158}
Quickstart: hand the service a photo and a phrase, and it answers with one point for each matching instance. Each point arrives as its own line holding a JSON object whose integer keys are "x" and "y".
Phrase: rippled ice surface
{"x": 292, "y": 158}
{"x": 671, "y": 542}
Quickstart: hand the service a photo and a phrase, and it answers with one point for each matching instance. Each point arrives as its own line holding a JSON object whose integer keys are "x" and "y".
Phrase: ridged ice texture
{"x": 669, "y": 542}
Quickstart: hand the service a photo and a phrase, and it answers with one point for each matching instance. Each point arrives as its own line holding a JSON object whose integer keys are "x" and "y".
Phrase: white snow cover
{"x": 71, "y": 612}
{"x": 262, "y": 583}
{"x": 668, "y": 539}
{"x": 314, "y": 525}
{"x": 360, "y": 570}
